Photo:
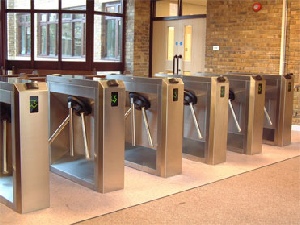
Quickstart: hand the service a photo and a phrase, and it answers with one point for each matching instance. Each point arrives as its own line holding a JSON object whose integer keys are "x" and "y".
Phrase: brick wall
{"x": 137, "y": 37}
{"x": 250, "y": 41}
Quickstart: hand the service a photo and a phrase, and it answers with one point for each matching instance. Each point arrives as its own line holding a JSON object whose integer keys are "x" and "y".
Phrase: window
{"x": 53, "y": 31}
{"x": 173, "y": 8}
{"x": 47, "y": 37}
{"x": 24, "y": 34}
{"x": 73, "y": 36}
{"x": 108, "y": 31}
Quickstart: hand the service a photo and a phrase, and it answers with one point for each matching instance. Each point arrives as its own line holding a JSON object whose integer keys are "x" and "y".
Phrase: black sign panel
{"x": 114, "y": 99}
{"x": 222, "y": 92}
{"x": 260, "y": 88}
{"x": 175, "y": 94}
{"x": 34, "y": 104}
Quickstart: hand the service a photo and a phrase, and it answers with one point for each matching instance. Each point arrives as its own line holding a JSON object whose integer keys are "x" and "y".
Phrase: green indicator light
{"x": 34, "y": 104}
{"x": 222, "y": 92}
{"x": 114, "y": 100}
{"x": 175, "y": 94}
{"x": 260, "y": 88}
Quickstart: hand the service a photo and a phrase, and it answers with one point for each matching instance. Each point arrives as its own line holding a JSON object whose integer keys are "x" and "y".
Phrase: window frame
{"x": 60, "y": 64}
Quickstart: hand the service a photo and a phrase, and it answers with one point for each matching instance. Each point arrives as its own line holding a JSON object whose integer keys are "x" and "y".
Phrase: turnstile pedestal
{"x": 155, "y": 126}
{"x": 91, "y": 151}
{"x": 24, "y": 186}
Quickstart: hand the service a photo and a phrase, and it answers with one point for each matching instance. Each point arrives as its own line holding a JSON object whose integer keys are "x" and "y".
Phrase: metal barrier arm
{"x": 86, "y": 148}
{"x": 231, "y": 98}
{"x": 147, "y": 127}
{"x": 191, "y": 99}
{"x": 139, "y": 102}
{"x": 82, "y": 108}
{"x": 132, "y": 121}
{"x": 268, "y": 116}
{"x": 71, "y": 131}
{"x": 59, "y": 129}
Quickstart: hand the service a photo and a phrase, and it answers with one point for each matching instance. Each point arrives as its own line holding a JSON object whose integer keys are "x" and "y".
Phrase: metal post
{"x": 147, "y": 127}
{"x": 86, "y": 148}
{"x": 195, "y": 121}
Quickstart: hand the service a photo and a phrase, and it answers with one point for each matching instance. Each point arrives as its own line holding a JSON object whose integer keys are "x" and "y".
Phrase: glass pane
{"x": 192, "y": 7}
{"x": 187, "y": 43}
{"x": 73, "y": 5}
{"x": 46, "y": 38}
{"x": 73, "y": 37}
{"x": 107, "y": 38}
{"x": 46, "y": 4}
{"x": 19, "y": 36}
{"x": 171, "y": 37}
{"x": 110, "y": 6}
{"x": 21, "y": 4}
{"x": 166, "y": 8}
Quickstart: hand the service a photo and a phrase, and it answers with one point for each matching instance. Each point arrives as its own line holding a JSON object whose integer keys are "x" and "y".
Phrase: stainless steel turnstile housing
{"x": 24, "y": 176}
{"x": 205, "y": 118}
{"x": 278, "y": 108}
{"x": 154, "y": 132}
{"x": 90, "y": 149}
{"x": 246, "y": 113}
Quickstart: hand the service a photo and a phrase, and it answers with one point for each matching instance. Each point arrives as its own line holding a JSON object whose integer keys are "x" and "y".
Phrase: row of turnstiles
{"x": 86, "y": 128}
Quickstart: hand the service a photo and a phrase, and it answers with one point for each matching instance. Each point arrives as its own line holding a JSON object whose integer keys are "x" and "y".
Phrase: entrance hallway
{"x": 256, "y": 189}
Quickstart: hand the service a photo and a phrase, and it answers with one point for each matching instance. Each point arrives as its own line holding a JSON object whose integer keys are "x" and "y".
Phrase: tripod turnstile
{"x": 246, "y": 113}
{"x": 87, "y": 128}
{"x": 154, "y": 124}
{"x": 24, "y": 175}
{"x": 205, "y": 118}
{"x": 278, "y": 109}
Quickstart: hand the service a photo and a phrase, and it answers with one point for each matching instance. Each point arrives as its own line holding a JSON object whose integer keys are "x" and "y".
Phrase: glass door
{"x": 179, "y": 46}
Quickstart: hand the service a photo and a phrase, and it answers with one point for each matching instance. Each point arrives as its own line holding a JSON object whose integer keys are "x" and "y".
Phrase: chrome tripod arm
{"x": 132, "y": 122}
{"x": 195, "y": 120}
{"x": 147, "y": 127}
{"x": 71, "y": 130}
{"x": 86, "y": 148}
{"x": 268, "y": 116}
{"x": 234, "y": 116}
{"x": 59, "y": 129}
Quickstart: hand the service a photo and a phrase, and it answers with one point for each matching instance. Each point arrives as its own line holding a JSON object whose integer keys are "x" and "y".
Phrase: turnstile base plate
{"x": 193, "y": 150}
{"x": 77, "y": 169}
{"x": 141, "y": 158}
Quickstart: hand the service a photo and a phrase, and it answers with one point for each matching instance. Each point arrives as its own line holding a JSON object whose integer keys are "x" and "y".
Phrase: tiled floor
{"x": 71, "y": 202}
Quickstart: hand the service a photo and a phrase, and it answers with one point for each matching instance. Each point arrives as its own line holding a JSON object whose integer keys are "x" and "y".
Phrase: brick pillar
{"x": 137, "y": 37}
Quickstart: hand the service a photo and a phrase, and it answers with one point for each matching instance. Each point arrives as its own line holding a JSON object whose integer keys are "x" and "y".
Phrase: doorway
{"x": 179, "y": 46}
